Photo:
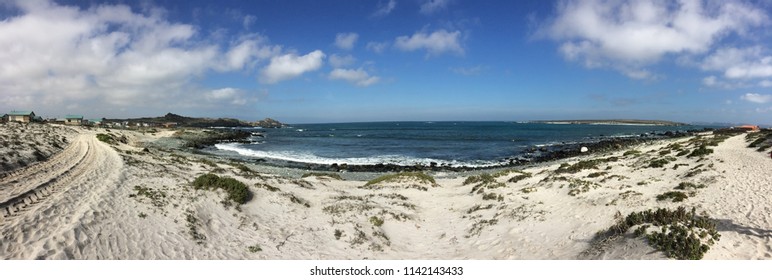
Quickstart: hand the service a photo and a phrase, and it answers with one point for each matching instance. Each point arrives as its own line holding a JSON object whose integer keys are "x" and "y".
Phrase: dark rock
{"x": 268, "y": 123}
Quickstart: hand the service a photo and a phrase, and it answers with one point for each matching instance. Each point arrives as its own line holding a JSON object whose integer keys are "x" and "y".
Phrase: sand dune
{"x": 95, "y": 200}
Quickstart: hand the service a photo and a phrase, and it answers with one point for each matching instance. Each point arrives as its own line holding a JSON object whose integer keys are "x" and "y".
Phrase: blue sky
{"x": 386, "y": 60}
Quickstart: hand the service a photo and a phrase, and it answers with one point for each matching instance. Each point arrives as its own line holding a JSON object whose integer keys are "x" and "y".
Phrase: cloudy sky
{"x": 384, "y": 60}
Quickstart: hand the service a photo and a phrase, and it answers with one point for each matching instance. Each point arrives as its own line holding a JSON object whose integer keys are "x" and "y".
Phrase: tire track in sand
{"x": 52, "y": 203}
{"x": 30, "y": 186}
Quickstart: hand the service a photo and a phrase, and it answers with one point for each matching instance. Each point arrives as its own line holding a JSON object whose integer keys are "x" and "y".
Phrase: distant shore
{"x": 612, "y": 122}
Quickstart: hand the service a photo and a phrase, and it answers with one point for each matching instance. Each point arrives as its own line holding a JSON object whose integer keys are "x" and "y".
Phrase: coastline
{"x": 92, "y": 199}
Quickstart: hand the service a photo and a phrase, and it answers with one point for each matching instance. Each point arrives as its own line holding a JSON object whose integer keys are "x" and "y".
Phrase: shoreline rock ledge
{"x": 268, "y": 123}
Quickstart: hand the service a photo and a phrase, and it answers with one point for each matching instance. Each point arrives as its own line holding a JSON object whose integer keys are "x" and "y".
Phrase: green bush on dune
{"x": 105, "y": 138}
{"x": 678, "y": 233}
{"x": 237, "y": 191}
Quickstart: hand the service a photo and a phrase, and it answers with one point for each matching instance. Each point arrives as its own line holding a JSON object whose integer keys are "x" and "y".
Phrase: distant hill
{"x": 200, "y": 122}
{"x": 612, "y": 122}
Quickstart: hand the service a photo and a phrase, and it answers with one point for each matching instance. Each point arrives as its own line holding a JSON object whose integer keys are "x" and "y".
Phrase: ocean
{"x": 470, "y": 144}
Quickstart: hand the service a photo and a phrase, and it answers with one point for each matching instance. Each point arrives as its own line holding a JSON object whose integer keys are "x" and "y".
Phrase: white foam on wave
{"x": 302, "y": 157}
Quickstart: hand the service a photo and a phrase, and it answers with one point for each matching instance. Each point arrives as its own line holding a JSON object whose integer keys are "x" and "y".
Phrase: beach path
{"x": 742, "y": 205}
{"x": 44, "y": 206}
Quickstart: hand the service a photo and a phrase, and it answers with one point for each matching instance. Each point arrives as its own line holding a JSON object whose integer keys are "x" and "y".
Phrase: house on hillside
{"x": 73, "y": 120}
{"x": 4, "y": 118}
{"x": 21, "y": 116}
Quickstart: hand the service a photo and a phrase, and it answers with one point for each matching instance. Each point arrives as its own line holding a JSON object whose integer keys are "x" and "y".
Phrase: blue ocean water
{"x": 410, "y": 143}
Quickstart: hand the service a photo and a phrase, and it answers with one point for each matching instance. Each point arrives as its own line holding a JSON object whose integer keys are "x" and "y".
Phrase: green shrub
{"x": 700, "y": 152}
{"x": 658, "y": 163}
{"x": 105, "y": 138}
{"x": 517, "y": 178}
{"x": 206, "y": 181}
{"x": 254, "y": 249}
{"x": 681, "y": 234}
{"x": 688, "y": 185}
{"x": 237, "y": 191}
{"x": 596, "y": 174}
{"x": 676, "y": 196}
{"x": 376, "y": 221}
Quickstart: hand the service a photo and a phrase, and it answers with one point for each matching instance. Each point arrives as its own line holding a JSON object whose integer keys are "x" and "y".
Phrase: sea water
{"x": 474, "y": 144}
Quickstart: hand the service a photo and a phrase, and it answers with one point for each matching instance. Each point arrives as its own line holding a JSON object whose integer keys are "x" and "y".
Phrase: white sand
{"x": 84, "y": 204}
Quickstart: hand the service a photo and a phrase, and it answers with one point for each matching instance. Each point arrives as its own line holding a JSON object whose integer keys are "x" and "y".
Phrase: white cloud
{"x": 358, "y": 77}
{"x": 338, "y": 61}
{"x": 436, "y": 43}
{"x": 765, "y": 83}
{"x": 289, "y": 66}
{"x": 710, "y": 81}
{"x": 377, "y": 47}
{"x": 346, "y": 41}
{"x": 248, "y": 21}
{"x": 108, "y": 56}
{"x": 744, "y": 63}
{"x": 757, "y": 98}
{"x": 385, "y": 9}
{"x": 246, "y": 51}
{"x": 627, "y": 35}
{"x": 231, "y": 95}
{"x": 431, "y": 6}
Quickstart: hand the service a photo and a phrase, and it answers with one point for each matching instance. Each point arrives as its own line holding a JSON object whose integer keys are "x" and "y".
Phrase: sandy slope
{"x": 51, "y": 203}
{"x": 99, "y": 201}
{"x": 742, "y": 203}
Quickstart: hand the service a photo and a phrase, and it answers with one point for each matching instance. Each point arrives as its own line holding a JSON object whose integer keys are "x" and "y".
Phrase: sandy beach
{"x": 131, "y": 199}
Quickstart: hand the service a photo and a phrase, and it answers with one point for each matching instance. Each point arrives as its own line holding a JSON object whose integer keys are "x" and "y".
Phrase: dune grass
{"x": 419, "y": 176}
{"x": 321, "y": 174}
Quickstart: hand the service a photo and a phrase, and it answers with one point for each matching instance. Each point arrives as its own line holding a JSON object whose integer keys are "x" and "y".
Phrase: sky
{"x": 309, "y": 61}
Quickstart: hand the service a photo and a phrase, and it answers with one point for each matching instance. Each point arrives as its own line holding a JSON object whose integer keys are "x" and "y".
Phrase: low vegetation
{"x": 661, "y": 162}
{"x": 320, "y": 174}
{"x": 579, "y": 166}
{"x": 105, "y": 138}
{"x": 481, "y": 178}
{"x": 700, "y": 152}
{"x": 676, "y": 196}
{"x": 689, "y": 185}
{"x": 632, "y": 153}
{"x": 376, "y": 221}
{"x": 418, "y": 176}
{"x": 254, "y": 248}
{"x": 677, "y": 233}
{"x": 237, "y": 191}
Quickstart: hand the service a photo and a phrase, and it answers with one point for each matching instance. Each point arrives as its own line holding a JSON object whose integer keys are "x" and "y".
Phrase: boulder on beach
{"x": 584, "y": 149}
